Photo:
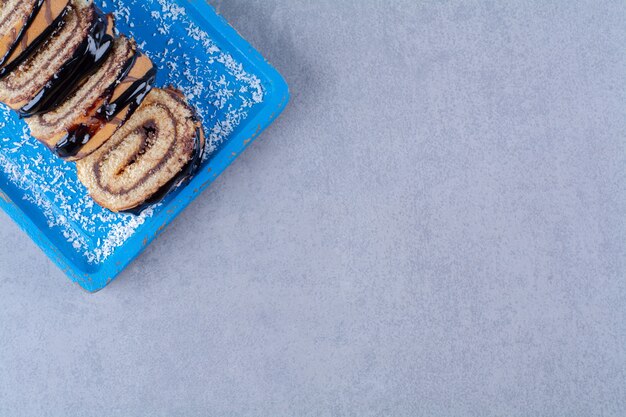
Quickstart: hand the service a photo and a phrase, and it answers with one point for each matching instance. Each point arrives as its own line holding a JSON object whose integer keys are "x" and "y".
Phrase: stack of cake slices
{"x": 88, "y": 95}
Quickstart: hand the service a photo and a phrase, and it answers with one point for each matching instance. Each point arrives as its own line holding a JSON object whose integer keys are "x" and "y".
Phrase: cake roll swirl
{"x": 71, "y": 53}
{"x": 156, "y": 150}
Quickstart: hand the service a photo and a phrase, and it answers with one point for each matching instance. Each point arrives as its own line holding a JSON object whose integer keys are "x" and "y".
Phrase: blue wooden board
{"x": 235, "y": 91}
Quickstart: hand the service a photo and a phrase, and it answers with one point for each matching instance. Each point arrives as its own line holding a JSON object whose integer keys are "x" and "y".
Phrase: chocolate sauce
{"x": 21, "y": 33}
{"x": 133, "y": 95}
{"x": 91, "y": 52}
{"x": 181, "y": 178}
{"x": 79, "y": 135}
{"x": 55, "y": 25}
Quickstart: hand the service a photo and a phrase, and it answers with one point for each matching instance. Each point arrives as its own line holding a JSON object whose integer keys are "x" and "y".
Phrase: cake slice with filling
{"x": 86, "y": 106}
{"x": 45, "y": 18}
{"x": 156, "y": 150}
{"x": 119, "y": 103}
{"x": 72, "y": 52}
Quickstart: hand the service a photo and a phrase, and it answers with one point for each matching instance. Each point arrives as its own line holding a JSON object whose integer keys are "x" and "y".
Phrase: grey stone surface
{"x": 436, "y": 226}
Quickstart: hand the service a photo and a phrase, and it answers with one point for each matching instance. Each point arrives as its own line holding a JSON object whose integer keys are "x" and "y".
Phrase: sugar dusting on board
{"x": 218, "y": 86}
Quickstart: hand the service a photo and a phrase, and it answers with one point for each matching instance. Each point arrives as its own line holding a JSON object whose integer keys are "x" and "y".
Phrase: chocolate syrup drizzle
{"x": 21, "y": 33}
{"x": 180, "y": 179}
{"x": 91, "y": 52}
{"x": 55, "y": 25}
{"x": 79, "y": 135}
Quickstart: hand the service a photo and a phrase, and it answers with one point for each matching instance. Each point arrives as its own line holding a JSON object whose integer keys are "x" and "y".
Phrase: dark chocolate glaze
{"x": 133, "y": 95}
{"x": 22, "y": 31}
{"x": 180, "y": 179}
{"x": 79, "y": 135}
{"x": 57, "y": 24}
{"x": 91, "y": 52}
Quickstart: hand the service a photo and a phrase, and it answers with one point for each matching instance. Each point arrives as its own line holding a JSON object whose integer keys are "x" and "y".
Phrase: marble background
{"x": 436, "y": 226}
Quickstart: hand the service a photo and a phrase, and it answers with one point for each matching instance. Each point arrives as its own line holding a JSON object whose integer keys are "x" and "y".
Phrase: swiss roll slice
{"x": 157, "y": 149}
{"x": 72, "y": 52}
{"x": 86, "y": 105}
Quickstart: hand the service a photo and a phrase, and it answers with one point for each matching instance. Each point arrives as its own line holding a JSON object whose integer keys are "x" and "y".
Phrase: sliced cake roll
{"x": 73, "y": 52}
{"x": 46, "y": 17}
{"x": 78, "y": 126}
{"x": 15, "y": 17}
{"x": 118, "y": 103}
{"x": 156, "y": 150}
{"x": 52, "y": 126}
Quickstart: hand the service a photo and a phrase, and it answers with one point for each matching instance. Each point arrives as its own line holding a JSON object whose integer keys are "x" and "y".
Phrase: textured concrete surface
{"x": 435, "y": 227}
